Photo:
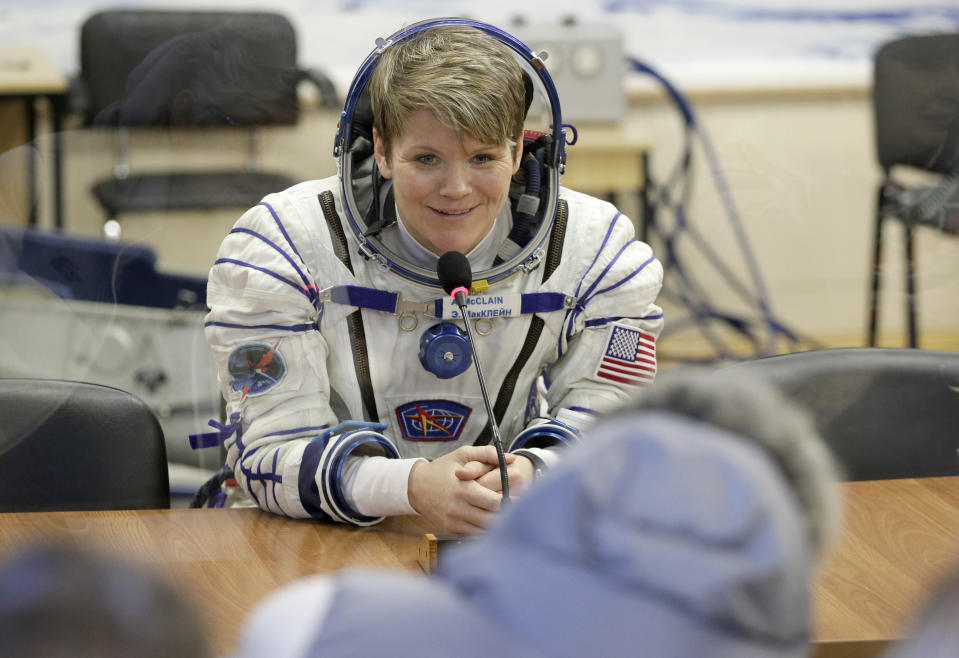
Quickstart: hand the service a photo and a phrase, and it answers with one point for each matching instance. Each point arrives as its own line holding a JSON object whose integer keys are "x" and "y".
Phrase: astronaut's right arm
{"x": 284, "y": 443}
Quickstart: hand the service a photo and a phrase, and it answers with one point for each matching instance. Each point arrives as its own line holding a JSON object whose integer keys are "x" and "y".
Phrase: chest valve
{"x": 445, "y": 350}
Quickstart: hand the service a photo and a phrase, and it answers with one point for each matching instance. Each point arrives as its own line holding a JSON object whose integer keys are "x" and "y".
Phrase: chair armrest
{"x": 328, "y": 95}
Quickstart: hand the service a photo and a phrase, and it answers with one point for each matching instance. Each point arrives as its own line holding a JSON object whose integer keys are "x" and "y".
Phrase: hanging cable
{"x": 675, "y": 194}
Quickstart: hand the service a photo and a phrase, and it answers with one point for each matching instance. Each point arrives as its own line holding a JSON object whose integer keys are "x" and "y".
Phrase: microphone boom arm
{"x": 459, "y": 295}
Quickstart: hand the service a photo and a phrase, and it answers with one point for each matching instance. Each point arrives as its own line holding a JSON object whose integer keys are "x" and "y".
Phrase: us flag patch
{"x": 630, "y": 357}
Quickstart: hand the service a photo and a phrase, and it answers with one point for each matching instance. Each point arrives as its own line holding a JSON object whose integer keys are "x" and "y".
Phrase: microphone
{"x": 455, "y": 275}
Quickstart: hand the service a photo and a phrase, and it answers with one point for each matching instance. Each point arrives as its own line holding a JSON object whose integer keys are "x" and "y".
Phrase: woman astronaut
{"x": 345, "y": 368}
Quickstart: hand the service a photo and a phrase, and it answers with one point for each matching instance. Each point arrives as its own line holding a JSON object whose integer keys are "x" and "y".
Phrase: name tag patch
{"x": 485, "y": 306}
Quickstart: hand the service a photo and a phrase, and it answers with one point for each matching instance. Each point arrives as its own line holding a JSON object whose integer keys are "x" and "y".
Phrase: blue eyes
{"x": 429, "y": 159}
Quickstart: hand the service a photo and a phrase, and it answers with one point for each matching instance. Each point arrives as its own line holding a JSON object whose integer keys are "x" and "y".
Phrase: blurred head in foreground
{"x": 59, "y": 601}
{"x": 934, "y": 632}
{"x": 687, "y": 525}
{"x": 755, "y": 412}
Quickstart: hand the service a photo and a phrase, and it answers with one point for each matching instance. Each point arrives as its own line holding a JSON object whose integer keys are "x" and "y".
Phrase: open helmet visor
{"x": 533, "y": 193}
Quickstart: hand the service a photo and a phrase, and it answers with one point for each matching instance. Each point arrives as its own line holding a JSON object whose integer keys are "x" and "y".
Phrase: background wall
{"x": 726, "y": 43}
{"x": 782, "y": 89}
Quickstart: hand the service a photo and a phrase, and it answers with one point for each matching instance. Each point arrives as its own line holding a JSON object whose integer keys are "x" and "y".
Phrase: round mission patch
{"x": 255, "y": 368}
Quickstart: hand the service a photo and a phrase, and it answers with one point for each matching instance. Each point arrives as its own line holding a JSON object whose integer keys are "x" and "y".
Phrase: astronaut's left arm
{"x": 607, "y": 347}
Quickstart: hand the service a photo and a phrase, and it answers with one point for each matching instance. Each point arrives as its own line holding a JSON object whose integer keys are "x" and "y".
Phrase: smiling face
{"x": 448, "y": 190}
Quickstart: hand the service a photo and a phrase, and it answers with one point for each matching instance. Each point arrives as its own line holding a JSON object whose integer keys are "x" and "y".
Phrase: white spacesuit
{"x": 337, "y": 348}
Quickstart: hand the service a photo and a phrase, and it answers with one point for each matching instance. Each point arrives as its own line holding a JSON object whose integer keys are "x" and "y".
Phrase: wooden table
{"x": 225, "y": 560}
{"x": 900, "y": 537}
{"x": 26, "y": 73}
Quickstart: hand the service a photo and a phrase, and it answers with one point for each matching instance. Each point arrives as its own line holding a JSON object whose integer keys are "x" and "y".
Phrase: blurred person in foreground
{"x": 686, "y": 525}
{"x": 348, "y": 376}
{"x": 58, "y": 601}
{"x": 933, "y": 632}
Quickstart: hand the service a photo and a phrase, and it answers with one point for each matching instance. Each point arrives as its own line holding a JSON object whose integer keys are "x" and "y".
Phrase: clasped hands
{"x": 461, "y": 491}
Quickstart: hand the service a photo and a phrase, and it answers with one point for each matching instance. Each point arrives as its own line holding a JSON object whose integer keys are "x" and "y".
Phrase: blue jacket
{"x": 657, "y": 537}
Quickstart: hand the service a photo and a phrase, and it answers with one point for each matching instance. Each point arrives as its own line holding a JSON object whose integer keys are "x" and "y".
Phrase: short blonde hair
{"x": 470, "y": 81}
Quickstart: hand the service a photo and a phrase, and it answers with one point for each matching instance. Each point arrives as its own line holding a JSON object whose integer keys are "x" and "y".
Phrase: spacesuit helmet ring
{"x": 534, "y": 191}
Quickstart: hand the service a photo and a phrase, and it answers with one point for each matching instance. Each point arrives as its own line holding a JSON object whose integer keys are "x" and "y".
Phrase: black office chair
{"x": 916, "y": 107}
{"x": 885, "y": 412}
{"x": 189, "y": 69}
{"x": 77, "y": 446}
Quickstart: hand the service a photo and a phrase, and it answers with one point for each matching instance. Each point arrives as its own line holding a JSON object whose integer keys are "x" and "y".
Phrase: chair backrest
{"x": 885, "y": 413}
{"x": 78, "y": 446}
{"x": 916, "y": 102}
{"x": 188, "y": 68}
